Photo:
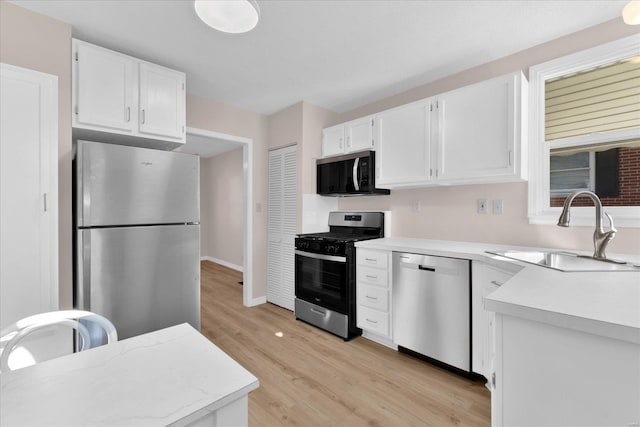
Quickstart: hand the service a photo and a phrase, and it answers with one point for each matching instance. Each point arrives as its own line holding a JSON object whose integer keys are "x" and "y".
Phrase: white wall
{"x": 221, "y": 208}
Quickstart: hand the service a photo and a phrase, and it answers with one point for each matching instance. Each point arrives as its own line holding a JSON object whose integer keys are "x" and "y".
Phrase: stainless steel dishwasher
{"x": 432, "y": 307}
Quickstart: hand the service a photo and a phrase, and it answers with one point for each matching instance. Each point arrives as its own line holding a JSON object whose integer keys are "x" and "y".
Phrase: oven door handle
{"x": 321, "y": 256}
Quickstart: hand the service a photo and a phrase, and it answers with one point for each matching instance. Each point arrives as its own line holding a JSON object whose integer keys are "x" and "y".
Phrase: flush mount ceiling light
{"x": 631, "y": 13}
{"x": 229, "y": 16}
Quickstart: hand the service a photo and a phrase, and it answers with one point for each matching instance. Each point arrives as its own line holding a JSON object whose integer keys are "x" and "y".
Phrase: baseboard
{"x": 257, "y": 301}
{"x": 221, "y": 262}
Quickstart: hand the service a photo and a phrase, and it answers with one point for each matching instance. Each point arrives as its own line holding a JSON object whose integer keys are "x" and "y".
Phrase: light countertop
{"x": 603, "y": 303}
{"x": 153, "y": 379}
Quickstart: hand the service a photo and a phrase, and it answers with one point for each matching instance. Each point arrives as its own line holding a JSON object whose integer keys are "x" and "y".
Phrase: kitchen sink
{"x": 565, "y": 261}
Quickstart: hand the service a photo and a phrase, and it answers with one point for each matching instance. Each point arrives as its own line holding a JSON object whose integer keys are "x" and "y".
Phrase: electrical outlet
{"x": 415, "y": 206}
{"x": 482, "y": 206}
{"x": 497, "y": 207}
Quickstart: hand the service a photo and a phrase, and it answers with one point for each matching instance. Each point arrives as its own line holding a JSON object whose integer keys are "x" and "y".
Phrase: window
{"x": 585, "y": 133}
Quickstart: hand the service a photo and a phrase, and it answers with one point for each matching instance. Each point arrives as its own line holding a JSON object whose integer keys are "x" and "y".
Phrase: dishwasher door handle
{"x": 426, "y": 268}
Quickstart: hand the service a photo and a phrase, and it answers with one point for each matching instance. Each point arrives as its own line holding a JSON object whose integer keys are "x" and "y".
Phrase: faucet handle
{"x": 612, "y": 227}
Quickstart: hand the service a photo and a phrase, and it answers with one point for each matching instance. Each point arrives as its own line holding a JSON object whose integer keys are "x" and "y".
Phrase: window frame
{"x": 539, "y": 209}
{"x": 592, "y": 176}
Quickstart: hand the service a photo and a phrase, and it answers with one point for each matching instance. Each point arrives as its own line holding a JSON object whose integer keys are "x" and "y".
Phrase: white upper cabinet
{"x": 104, "y": 86}
{"x": 161, "y": 101}
{"x": 356, "y": 135}
{"x": 359, "y": 135}
{"x": 475, "y": 134}
{"x": 333, "y": 141}
{"x": 480, "y": 132}
{"x": 404, "y": 146}
{"x": 124, "y": 96}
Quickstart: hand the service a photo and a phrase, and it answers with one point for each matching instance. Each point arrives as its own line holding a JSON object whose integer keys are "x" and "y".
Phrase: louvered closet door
{"x": 281, "y": 230}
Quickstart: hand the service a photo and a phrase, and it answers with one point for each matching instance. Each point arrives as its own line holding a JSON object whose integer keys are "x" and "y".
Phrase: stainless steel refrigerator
{"x": 137, "y": 236}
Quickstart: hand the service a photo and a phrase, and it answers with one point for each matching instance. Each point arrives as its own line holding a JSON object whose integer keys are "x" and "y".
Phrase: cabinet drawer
{"x": 373, "y": 320}
{"x": 374, "y": 276}
{"x": 372, "y": 258}
{"x": 373, "y": 297}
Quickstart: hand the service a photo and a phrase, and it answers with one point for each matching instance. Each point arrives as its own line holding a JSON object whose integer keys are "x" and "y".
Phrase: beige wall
{"x": 214, "y": 116}
{"x": 43, "y": 44}
{"x": 314, "y": 120}
{"x": 221, "y": 207}
{"x": 450, "y": 212}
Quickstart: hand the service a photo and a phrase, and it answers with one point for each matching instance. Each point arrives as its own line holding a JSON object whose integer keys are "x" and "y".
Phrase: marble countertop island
{"x": 171, "y": 376}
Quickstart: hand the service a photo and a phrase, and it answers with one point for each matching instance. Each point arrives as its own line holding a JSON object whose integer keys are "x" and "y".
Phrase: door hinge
{"x": 76, "y": 56}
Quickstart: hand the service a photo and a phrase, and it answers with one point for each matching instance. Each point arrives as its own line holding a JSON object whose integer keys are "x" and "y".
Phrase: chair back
{"x": 12, "y": 336}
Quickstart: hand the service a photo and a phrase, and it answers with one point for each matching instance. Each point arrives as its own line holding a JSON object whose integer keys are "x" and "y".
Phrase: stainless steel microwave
{"x": 348, "y": 175}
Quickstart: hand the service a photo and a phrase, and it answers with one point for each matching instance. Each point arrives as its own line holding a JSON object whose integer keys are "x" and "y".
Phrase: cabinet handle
{"x": 348, "y": 141}
{"x": 426, "y": 268}
{"x": 371, "y": 321}
{"x": 370, "y": 297}
{"x": 143, "y": 116}
{"x": 45, "y": 201}
{"x": 510, "y": 158}
{"x": 128, "y": 114}
{"x": 370, "y": 277}
{"x": 370, "y": 259}
{"x": 495, "y": 282}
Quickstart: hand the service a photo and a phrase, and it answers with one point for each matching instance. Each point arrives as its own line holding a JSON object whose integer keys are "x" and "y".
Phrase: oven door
{"x": 322, "y": 280}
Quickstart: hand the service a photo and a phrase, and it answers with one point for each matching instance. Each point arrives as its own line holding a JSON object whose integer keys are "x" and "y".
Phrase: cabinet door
{"x": 333, "y": 141}
{"x": 403, "y": 136}
{"x": 104, "y": 85}
{"x": 477, "y": 130}
{"x": 162, "y": 101}
{"x": 359, "y": 134}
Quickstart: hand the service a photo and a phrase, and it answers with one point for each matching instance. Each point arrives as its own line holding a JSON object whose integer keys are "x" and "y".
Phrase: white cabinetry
{"x": 481, "y": 132}
{"x": 373, "y": 292}
{"x": 475, "y": 134}
{"x": 404, "y": 146}
{"x": 356, "y": 135}
{"x": 124, "y": 96}
{"x": 548, "y": 375}
{"x": 485, "y": 279}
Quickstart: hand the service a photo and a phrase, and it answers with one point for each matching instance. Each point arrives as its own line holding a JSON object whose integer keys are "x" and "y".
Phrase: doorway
{"x": 205, "y": 143}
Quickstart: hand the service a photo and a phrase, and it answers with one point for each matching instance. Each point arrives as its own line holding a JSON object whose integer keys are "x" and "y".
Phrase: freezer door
{"x": 119, "y": 185}
{"x": 140, "y": 278}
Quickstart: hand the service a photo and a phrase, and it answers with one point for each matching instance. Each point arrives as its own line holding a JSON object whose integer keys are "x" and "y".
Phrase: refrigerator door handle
{"x": 83, "y": 300}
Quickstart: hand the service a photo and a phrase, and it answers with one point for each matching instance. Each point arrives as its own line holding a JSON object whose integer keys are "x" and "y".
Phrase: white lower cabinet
{"x": 548, "y": 376}
{"x": 373, "y": 294}
{"x": 485, "y": 279}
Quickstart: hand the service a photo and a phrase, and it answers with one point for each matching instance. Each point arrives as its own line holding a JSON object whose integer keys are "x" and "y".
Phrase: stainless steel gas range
{"x": 325, "y": 271}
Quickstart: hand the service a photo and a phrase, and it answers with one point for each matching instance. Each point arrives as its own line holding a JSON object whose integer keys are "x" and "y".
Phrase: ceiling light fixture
{"x": 229, "y": 16}
{"x": 631, "y": 13}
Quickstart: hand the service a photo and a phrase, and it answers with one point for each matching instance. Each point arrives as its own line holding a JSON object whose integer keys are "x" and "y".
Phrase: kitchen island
{"x": 174, "y": 376}
{"x": 565, "y": 345}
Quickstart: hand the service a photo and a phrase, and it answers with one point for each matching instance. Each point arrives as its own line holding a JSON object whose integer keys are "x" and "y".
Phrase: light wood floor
{"x": 312, "y": 378}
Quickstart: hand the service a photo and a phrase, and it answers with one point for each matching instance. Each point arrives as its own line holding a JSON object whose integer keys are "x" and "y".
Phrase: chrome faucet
{"x": 601, "y": 238}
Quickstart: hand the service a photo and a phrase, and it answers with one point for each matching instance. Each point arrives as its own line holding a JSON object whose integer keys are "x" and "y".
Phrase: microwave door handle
{"x": 356, "y": 181}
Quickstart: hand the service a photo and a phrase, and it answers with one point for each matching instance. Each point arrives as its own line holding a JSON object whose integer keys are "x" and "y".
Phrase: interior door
{"x": 282, "y": 226}
{"x": 28, "y": 205}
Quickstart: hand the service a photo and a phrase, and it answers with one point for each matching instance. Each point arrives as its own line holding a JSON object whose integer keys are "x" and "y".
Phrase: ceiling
{"x": 335, "y": 54}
